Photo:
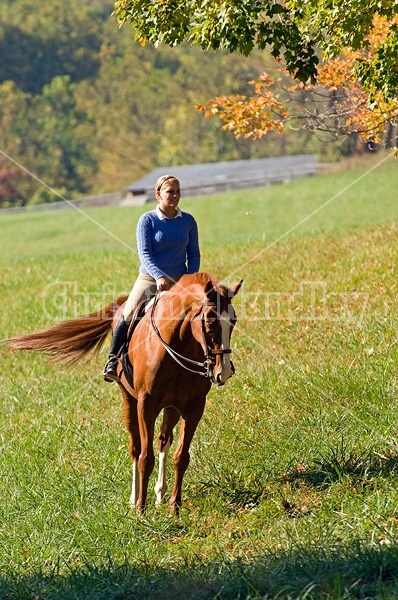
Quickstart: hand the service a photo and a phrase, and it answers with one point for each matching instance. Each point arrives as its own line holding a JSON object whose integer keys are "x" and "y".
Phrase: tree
{"x": 293, "y": 30}
{"x": 62, "y": 143}
{"x": 347, "y": 25}
{"x": 100, "y": 130}
{"x": 41, "y": 41}
{"x": 351, "y": 88}
{"x": 143, "y": 109}
{"x": 49, "y": 135}
{"x": 337, "y": 104}
{"x": 9, "y": 178}
{"x": 224, "y": 24}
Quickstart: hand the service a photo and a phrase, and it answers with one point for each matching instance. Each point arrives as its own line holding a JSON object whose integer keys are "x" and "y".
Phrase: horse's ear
{"x": 234, "y": 289}
{"x": 209, "y": 287}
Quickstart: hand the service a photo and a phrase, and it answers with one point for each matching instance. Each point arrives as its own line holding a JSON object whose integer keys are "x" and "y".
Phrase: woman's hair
{"x": 162, "y": 180}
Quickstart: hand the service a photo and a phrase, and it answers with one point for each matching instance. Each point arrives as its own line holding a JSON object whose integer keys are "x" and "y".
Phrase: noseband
{"x": 209, "y": 363}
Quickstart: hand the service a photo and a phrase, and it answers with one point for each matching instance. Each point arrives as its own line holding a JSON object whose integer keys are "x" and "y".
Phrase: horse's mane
{"x": 202, "y": 279}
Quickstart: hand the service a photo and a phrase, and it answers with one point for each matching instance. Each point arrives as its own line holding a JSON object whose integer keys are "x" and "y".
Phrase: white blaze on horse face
{"x": 226, "y": 371}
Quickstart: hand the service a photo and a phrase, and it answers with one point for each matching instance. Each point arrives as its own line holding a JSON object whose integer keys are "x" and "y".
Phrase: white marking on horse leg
{"x": 161, "y": 484}
{"x": 136, "y": 484}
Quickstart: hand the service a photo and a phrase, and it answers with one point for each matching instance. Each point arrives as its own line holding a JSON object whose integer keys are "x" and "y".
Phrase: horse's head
{"x": 212, "y": 327}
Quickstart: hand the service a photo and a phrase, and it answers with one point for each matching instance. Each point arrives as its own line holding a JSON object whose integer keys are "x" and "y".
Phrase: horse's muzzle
{"x": 219, "y": 381}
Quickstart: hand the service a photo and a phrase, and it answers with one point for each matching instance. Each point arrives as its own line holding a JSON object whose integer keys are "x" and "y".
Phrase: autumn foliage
{"x": 9, "y": 179}
{"x": 338, "y": 104}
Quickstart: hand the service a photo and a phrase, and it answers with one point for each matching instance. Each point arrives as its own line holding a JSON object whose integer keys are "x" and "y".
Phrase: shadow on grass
{"x": 340, "y": 462}
{"x": 338, "y": 572}
{"x": 243, "y": 490}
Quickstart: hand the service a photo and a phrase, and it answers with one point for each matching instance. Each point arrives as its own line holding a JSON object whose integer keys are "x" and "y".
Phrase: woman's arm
{"x": 144, "y": 243}
{"x": 193, "y": 252}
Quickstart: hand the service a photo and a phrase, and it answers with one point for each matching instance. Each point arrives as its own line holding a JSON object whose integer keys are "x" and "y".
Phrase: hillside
{"x": 291, "y": 491}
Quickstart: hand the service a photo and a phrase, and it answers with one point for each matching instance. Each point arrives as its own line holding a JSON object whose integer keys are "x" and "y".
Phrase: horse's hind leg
{"x": 165, "y": 439}
{"x": 181, "y": 455}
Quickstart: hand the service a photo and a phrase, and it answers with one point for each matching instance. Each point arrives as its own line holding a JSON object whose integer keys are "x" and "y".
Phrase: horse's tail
{"x": 69, "y": 341}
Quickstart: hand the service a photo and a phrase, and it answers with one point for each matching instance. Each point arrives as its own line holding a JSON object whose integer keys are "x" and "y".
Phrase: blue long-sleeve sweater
{"x": 168, "y": 247}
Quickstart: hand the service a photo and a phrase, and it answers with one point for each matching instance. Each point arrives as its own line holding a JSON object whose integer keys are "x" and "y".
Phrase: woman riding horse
{"x": 179, "y": 348}
{"x": 168, "y": 247}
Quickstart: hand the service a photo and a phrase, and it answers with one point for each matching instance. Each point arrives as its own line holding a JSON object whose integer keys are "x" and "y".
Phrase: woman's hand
{"x": 162, "y": 284}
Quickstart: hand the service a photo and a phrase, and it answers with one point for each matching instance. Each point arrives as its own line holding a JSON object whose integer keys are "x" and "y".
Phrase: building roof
{"x": 207, "y": 178}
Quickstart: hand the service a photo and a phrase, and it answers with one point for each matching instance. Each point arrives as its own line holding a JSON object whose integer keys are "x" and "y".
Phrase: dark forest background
{"x": 87, "y": 110}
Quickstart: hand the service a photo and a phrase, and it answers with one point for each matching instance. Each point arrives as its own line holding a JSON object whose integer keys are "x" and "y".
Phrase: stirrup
{"x": 110, "y": 370}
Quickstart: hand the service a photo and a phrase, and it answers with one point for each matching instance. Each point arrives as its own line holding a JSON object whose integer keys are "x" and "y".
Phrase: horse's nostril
{"x": 219, "y": 380}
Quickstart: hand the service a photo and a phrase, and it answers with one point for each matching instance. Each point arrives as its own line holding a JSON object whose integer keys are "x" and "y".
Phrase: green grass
{"x": 292, "y": 487}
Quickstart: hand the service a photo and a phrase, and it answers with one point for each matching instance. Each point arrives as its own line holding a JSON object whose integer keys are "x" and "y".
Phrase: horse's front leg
{"x": 135, "y": 488}
{"x": 181, "y": 455}
{"x": 146, "y": 460}
{"x": 165, "y": 439}
{"x": 131, "y": 421}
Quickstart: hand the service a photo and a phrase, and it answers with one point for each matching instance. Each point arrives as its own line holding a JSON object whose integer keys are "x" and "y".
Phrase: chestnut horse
{"x": 178, "y": 348}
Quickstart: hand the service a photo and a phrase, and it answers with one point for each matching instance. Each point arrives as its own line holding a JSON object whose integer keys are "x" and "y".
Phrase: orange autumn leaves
{"x": 337, "y": 103}
{"x": 250, "y": 116}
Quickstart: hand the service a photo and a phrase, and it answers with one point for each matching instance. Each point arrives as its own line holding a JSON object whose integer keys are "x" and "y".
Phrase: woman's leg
{"x": 144, "y": 287}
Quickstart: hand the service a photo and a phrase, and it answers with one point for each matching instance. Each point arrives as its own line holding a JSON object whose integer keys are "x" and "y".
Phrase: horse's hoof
{"x": 174, "y": 510}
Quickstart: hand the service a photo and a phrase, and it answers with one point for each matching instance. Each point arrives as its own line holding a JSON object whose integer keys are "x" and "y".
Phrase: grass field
{"x": 292, "y": 488}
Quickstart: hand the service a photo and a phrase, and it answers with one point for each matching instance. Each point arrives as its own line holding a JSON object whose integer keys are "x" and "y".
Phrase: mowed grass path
{"x": 292, "y": 489}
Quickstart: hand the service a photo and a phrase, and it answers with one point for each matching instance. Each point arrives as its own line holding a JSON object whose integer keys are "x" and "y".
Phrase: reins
{"x": 207, "y": 363}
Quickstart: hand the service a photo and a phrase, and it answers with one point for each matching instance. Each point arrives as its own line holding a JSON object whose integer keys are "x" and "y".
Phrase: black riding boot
{"x": 118, "y": 340}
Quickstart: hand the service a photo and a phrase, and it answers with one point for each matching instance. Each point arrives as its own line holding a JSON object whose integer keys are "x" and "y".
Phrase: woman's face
{"x": 169, "y": 195}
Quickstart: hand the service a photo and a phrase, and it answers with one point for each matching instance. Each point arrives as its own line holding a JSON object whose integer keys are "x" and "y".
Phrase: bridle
{"x": 210, "y": 353}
